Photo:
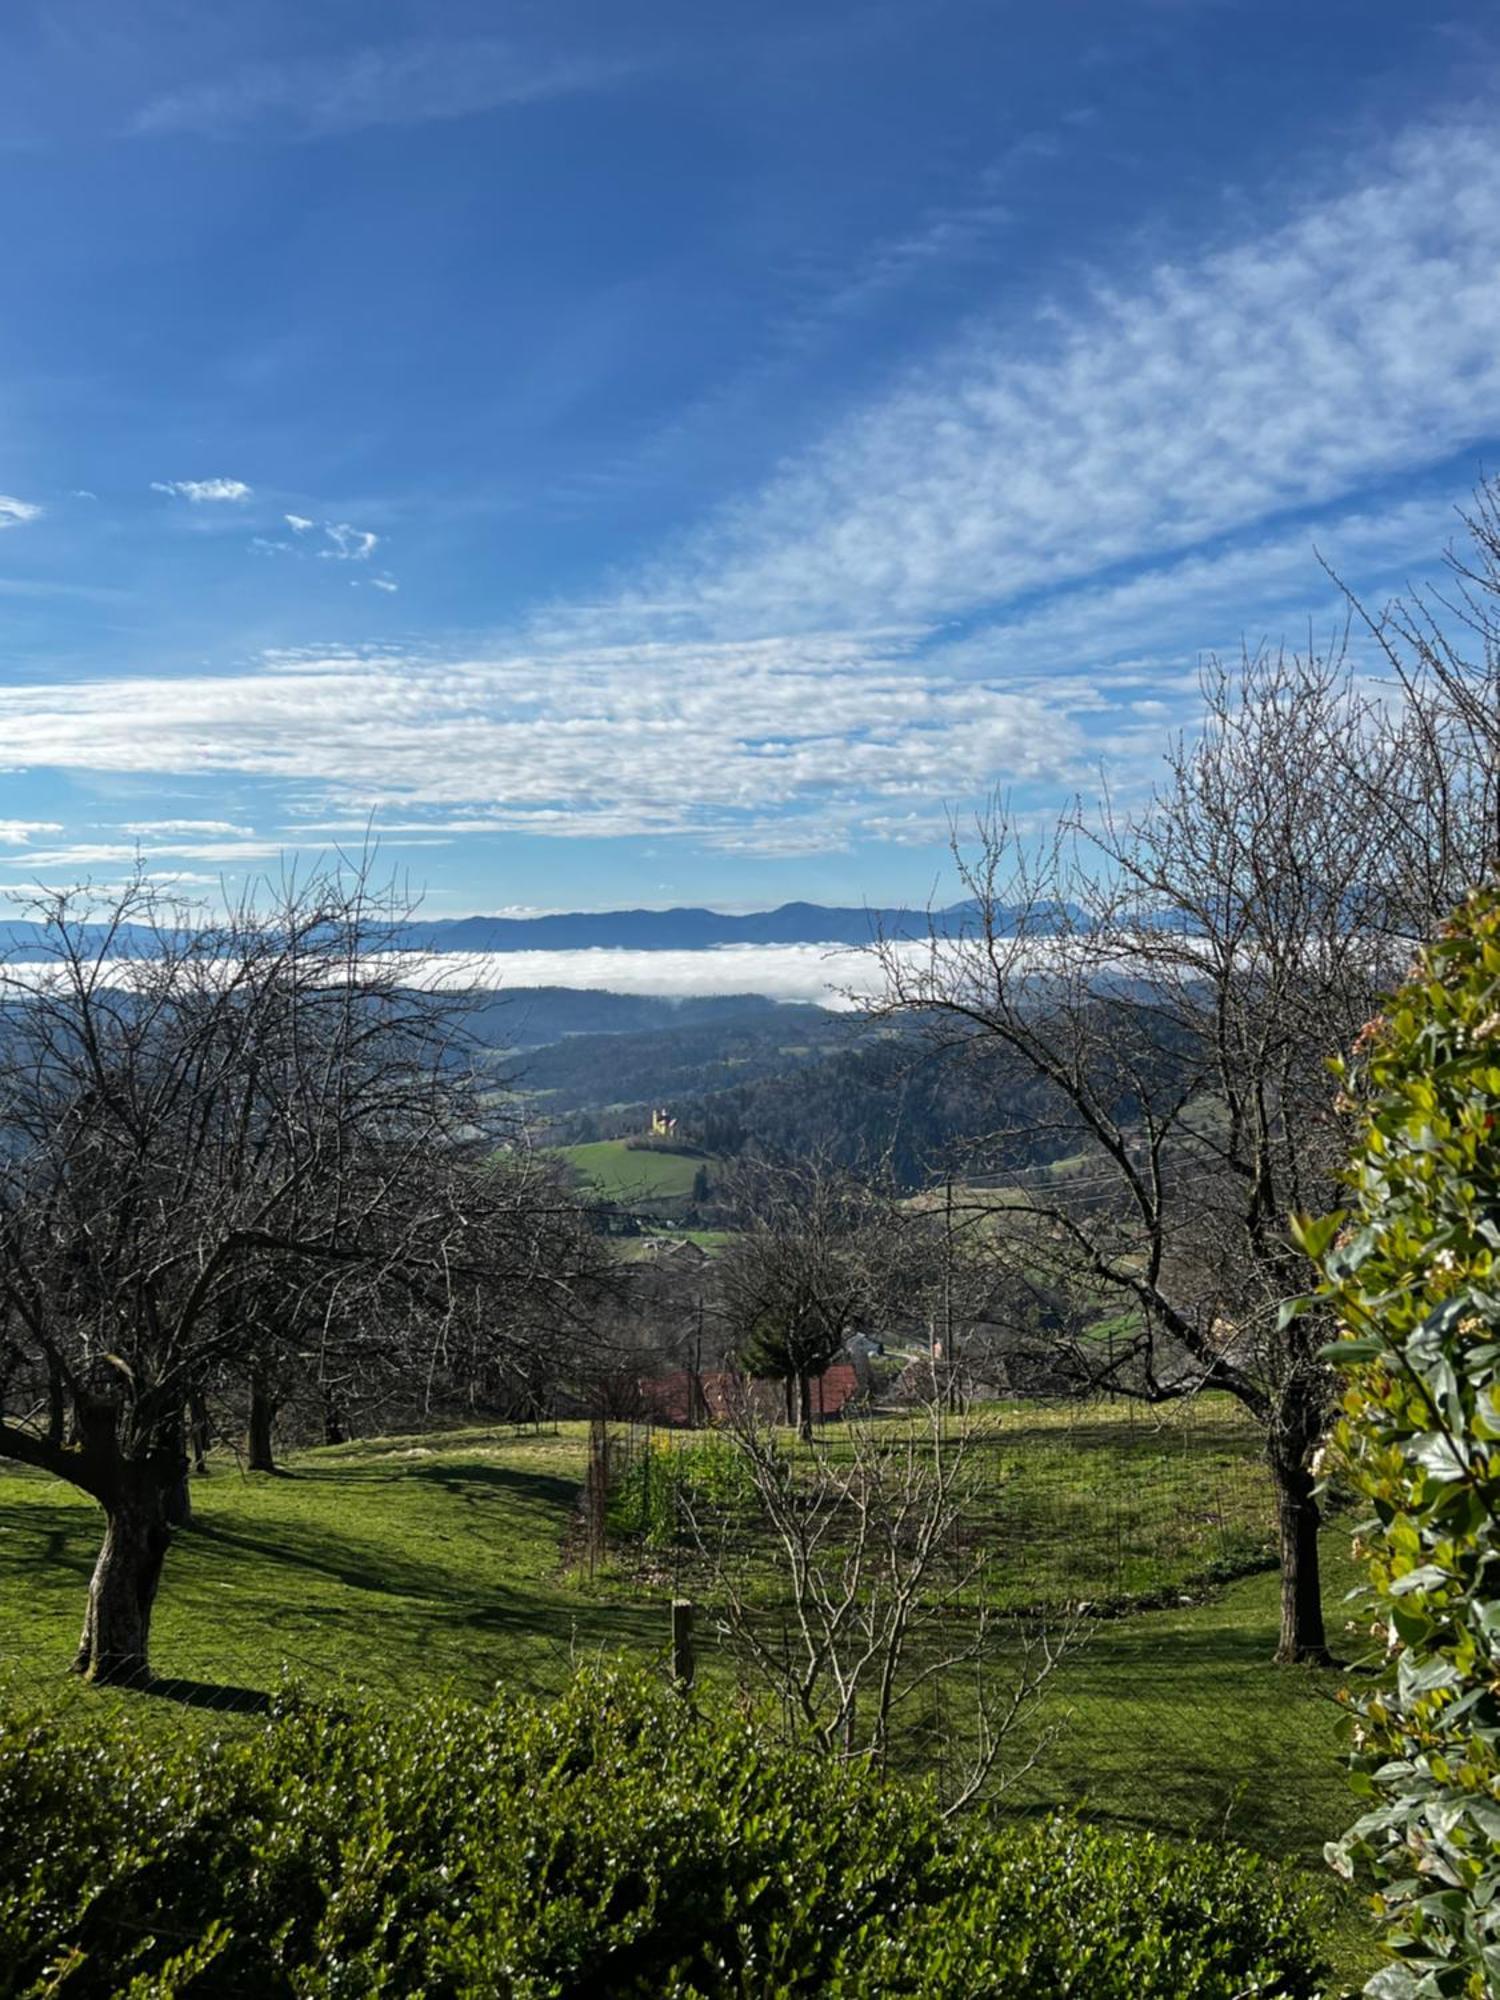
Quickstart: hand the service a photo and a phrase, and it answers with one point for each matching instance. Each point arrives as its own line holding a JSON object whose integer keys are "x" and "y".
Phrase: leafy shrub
{"x": 612, "y": 1843}
{"x": 1412, "y": 1273}
{"x": 643, "y": 1499}
{"x": 713, "y": 1470}
{"x": 668, "y": 1479}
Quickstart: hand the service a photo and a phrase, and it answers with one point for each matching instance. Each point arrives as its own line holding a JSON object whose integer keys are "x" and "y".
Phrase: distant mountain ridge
{"x": 686, "y": 929}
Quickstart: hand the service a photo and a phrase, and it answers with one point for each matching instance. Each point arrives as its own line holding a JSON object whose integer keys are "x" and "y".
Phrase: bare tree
{"x": 1440, "y": 804}
{"x": 214, "y": 1134}
{"x": 801, "y": 1273}
{"x": 944, "y": 1283}
{"x": 880, "y": 1601}
{"x": 1172, "y": 980}
{"x": 661, "y": 1317}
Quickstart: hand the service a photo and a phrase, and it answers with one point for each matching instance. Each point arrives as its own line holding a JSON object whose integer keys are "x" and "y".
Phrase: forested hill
{"x": 784, "y": 1080}
{"x": 649, "y": 1053}
{"x": 884, "y": 1104}
{"x": 558, "y": 1017}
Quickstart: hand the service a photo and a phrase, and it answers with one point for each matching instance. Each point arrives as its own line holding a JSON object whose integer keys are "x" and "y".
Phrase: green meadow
{"x": 454, "y": 1562}
{"x": 622, "y": 1172}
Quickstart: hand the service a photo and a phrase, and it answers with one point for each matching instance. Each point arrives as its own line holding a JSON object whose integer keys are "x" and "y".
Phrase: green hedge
{"x": 608, "y": 1843}
{"x": 1412, "y": 1270}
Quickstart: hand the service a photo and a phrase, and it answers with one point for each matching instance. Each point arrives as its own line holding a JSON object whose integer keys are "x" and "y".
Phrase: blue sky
{"x": 682, "y": 454}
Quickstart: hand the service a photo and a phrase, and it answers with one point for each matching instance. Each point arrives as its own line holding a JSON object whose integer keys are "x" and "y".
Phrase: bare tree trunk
{"x": 114, "y": 1646}
{"x": 178, "y": 1505}
{"x": 198, "y": 1426}
{"x": 259, "y": 1452}
{"x": 335, "y": 1425}
{"x": 57, "y": 1403}
{"x": 804, "y": 1406}
{"x": 179, "y": 1502}
{"x": 1304, "y": 1641}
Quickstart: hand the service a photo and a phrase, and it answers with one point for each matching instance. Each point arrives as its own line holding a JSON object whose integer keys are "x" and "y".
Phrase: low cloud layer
{"x": 825, "y": 975}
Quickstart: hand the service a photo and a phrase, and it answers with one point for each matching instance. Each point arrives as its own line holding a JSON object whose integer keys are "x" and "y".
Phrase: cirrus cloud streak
{"x": 1289, "y": 371}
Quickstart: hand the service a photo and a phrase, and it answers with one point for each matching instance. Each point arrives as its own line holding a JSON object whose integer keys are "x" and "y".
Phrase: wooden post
{"x": 682, "y": 1641}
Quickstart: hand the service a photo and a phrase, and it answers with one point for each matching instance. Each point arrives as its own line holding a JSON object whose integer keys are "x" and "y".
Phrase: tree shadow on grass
{"x": 43, "y": 1539}
{"x": 222, "y": 1697}
{"x": 476, "y": 1480}
{"x": 355, "y": 1565}
{"x": 584, "y": 1626}
{"x": 373, "y": 1564}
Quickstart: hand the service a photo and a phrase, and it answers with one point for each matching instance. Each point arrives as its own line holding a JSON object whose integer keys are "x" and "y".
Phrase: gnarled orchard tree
{"x": 217, "y": 1135}
{"x": 1176, "y": 980}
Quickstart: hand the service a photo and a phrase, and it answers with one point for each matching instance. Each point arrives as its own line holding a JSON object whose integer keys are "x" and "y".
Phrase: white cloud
{"x": 957, "y": 232}
{"x": 349, "y": 544}
{"x": 166, "y": 829}
{"x": 16, "y": 513}
{"x": 79, "y": 854}
{"x": 1263, "y": 588}
{"x": 200, "y": 490}
{"x": 401, "y": 83}
{"x": 345, "y": 543}
{"x": 725, "y": 741}
{"x": 1289, "y": 371}
{"x": 386, "y": 583}
{"x": 18, "y": 832}
{"x": 776, "y": 747}
{"x": 1000, "y": 568}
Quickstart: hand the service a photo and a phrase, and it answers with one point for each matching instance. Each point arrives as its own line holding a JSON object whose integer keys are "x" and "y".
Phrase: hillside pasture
{"x": 635, "y": 1175}
{"x": 452, "y": 1563}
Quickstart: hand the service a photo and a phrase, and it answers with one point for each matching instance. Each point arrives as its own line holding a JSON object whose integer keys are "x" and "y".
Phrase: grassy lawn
{"x": 415, "y": 1562}
{"x": 622, "y": 1172}
{"x": 448, "y": 1561}
{"x": 1102, "y": 1502}
{"x": 1176, "y": 1718}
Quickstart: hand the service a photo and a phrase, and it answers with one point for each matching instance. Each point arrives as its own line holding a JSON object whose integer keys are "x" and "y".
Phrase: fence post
{"x": 682, "y": 1641}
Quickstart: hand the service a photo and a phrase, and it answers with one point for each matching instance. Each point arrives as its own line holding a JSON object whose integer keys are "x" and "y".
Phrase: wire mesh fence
{"x": 1149, "y": 1532}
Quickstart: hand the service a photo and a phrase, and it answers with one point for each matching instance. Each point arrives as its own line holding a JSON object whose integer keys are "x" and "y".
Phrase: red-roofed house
{"x": 685, "y": 1399}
